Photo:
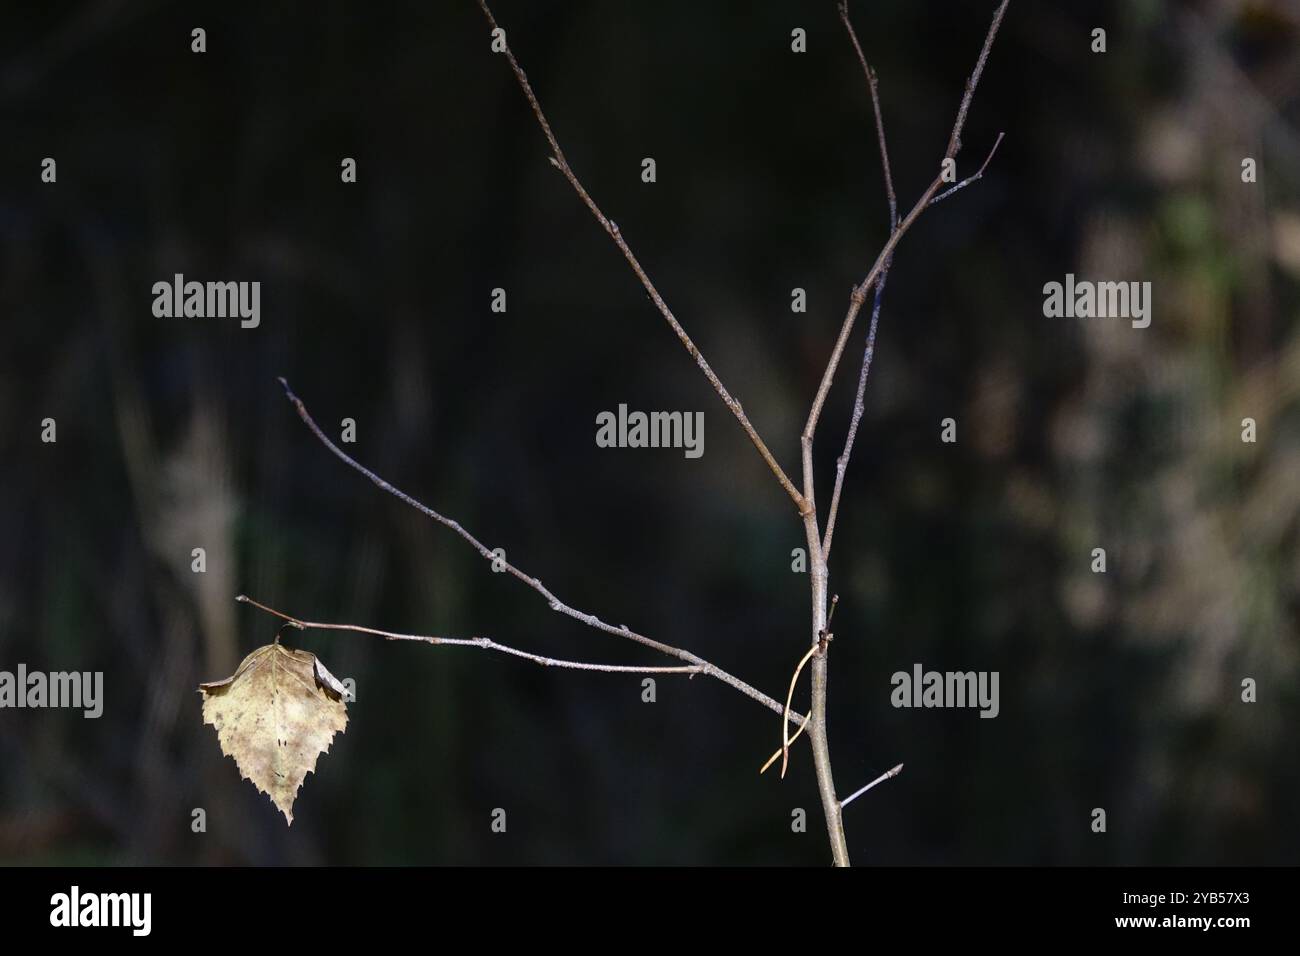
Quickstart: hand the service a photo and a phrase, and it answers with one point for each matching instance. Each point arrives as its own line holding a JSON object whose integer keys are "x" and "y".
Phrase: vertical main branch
{"x": 817, "y": 713}
{"x": 819, "y": 583}
{"x": 818, "y": 577}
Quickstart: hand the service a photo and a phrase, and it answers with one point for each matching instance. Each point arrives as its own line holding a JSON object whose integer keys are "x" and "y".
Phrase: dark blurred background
{"x": 1119, "y": 691}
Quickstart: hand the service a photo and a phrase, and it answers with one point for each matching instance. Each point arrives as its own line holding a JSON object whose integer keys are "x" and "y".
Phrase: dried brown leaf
{"x": 275, "y": 716}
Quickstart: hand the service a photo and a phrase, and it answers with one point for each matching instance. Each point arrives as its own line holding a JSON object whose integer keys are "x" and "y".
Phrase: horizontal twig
{"x": 483, "y": 642}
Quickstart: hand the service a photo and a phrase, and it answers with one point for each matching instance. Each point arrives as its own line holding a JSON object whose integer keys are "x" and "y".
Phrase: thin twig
{"x": 554, "y": 602}
{"x": 883, "y": 777}
{"x": 859, "y": 401}
{"x": 859, "y": 407}
{"x": 483, "y": 642}
{"x": 562, "y": 164}
{"x": 970, "y": 179}
{"x": 872, "y": 86}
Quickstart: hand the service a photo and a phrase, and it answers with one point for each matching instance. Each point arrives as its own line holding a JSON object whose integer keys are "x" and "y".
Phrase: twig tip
{"x": 288, "y": 391}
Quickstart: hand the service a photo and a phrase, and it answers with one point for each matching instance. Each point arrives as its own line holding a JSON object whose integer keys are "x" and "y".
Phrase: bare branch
{"x": 554, "y": 602}
{"x": 859, "y": 407}
{"x": 562, "y": 164}
{"x": 860, "y": 292}
{"x": 954, "y": 141}
{"x": 859, "y": 401}
{"x": 483, "y": 642}
{"x": 872, "y": 86}
{"x": 881, "y": 779}
{"x": 970, "y": 179}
